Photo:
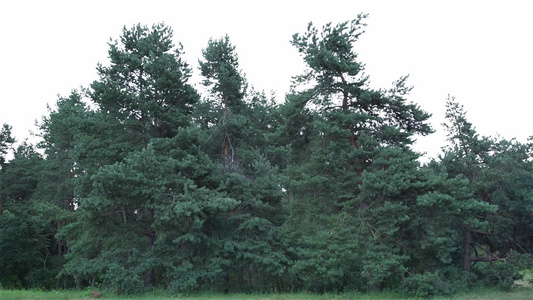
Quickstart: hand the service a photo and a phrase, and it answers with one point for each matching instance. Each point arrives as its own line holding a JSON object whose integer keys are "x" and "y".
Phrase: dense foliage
{"x": 141, "y": 182}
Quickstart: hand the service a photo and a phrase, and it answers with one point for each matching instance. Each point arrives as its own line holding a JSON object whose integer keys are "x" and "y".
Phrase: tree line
{"x": 140, "y": 182}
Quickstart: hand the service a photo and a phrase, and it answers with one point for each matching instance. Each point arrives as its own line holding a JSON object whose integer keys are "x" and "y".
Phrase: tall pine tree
{"x": 498, "y": 173}
{"x": 143, "y": 99}
{"x": 344, "y": 133}
{"x": 238, "y": 139}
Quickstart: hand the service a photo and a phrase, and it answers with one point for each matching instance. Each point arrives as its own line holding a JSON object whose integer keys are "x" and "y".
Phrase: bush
{"x": 429, "y": 284}
{"x": 123, "y": 281}
{"x": 505, "y": 272}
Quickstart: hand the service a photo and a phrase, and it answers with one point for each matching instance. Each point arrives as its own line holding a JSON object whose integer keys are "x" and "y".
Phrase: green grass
{"x": 73, "y": 295}
{"x": 36, "y": 294}
{"x": 514, "y": 293}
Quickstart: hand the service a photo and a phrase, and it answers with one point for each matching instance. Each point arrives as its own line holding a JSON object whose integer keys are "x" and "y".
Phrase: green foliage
{"x": 446, "y": 281}
{"x": 220, "y": 69}
{"x": 19, "y": 177}
{"x": 26, "y": 239}
{"x": 149, "y": 196}
{"x": 351, "y": 161}
{"x": 6, "y": 140}
{"x": 15, "y": 256}
{"x": 244, "y": 123}
{"x": 495, "y": 172}
{"x": 504, "y": 273}
{"x": 151, "y": 188}
{"x": 146, "y": 84}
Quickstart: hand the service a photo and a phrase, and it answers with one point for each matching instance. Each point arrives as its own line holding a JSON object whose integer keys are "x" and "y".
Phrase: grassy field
{"x": 514, "y": 293}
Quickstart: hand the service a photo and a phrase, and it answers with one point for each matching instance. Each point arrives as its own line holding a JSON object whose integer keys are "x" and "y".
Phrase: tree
{"x": 220, "y": 71}
{"x": 5, "y": 143}
{"x": 19, "y": 178}
{"x": 498, "y": 173}
{"x": 335, "y": 81}
{"x": 24, "y": 239}
{"x": 344, "y": 133}
{"x": 144, "y": 219}
{"x": 141, "y": 96}
{"x": 56, "y": 196}
{"x": 145, "y": 87}
{"x": 246, "y": 235}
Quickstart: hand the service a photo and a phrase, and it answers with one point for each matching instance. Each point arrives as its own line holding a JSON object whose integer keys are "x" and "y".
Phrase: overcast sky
{"x": 481, "y": 52}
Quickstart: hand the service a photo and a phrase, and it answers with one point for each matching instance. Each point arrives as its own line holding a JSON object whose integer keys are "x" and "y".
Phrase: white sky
{"x": 481, "y": 52}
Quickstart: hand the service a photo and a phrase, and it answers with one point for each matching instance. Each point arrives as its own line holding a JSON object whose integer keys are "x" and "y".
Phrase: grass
{"x": 516, "y": 293}
{"x": 74, "y": 295}
{"x": 481, "y": 294}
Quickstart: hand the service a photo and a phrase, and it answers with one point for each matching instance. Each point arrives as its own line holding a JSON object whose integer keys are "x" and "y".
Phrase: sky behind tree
{"x": 477, "y": 51}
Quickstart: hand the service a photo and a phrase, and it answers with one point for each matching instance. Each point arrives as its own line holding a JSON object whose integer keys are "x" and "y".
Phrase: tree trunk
{"x": 240, "y": 281}
{"x": 352, "y": 138}
{"x": 150, "y": 274}
{"x": 248, "y": 279}
{"x": 59, "y": 246}
{"x": 468, "y": 246}
{"x": 357, "y": 161}
{"x": 225, "y": 145}
{"x": 225, "y": 281}
{"x": 2, "y": 203}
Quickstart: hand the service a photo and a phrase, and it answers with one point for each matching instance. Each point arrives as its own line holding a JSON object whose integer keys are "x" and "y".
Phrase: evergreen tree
{"x": 56, "y": 196}
{"x": 150, "y": 212}
{"x": 498, "y": 174}
{"x": 6, "y": 140}
{"x": 220, "y": 69}
{"x": 221, "y": 73}
{"x": 145, "y": 87}
{"x": 344, "y": 134}
{"x": 242, "y": 123}
{"x": 143, "y": 95}
{"x": 24, "y": 238}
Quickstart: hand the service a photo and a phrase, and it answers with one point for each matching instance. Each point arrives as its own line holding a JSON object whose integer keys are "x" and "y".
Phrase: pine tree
{"x": 6, "y": 140}
{"x": 241, "y": 123}
{"x": 344, "y": 133}
{"x": 145, "y": 87}
{"x": 220, "y": 68}
{"x": 142, "y": 96}
{"x": 24, "y": 238}
{"x": 497, "y": 172}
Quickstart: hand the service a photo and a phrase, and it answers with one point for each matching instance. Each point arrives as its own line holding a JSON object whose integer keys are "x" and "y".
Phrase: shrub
{"x": 505, "y": 272}
{"x": 123, "y": 281}
{"x": 429, "y": 284}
